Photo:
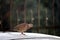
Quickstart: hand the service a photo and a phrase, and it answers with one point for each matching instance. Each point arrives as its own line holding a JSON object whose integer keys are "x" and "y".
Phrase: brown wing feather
{"x": 22, "y": 27}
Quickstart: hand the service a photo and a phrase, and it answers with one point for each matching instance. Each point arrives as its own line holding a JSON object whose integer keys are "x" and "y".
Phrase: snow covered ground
{"x": 28, "y": 36}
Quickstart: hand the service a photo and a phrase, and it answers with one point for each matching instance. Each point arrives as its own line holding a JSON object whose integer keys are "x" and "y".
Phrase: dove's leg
{"x": 22, "y": 33}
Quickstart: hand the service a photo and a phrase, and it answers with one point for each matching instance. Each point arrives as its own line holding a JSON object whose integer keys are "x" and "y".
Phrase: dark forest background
{"x": 44, "y": 14}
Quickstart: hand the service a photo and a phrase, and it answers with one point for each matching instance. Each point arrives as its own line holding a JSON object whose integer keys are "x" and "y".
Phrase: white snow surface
{"x": 27, "y": 36}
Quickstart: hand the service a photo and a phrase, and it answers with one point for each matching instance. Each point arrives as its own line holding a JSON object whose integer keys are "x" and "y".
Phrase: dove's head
{"x": 30, "y": 25}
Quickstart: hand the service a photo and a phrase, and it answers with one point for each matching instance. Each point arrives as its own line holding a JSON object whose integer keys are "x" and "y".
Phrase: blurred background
{"x": 44, "y": 14}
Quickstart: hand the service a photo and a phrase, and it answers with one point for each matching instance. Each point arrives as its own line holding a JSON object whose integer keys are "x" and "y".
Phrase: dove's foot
{"x": 22, "y": 33}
